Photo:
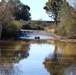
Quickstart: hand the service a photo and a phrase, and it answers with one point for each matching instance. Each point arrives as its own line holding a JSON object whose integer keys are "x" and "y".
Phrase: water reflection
{"x": 12, "y": 52}
{"x": 63, "y": 60}
{"x": 31, "y": 57}
{"x": 71, "y": 70}
{"x": 9, "y": 69}
{"x": 31, "y": 34}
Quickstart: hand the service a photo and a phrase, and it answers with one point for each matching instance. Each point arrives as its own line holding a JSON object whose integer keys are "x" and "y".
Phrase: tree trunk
{"x": 0, "y": 31}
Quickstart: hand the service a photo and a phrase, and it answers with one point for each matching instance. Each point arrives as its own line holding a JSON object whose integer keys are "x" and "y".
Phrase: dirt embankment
{"x": 58, "y": 37}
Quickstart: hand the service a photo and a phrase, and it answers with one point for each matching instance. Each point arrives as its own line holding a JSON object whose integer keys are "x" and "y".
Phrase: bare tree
{"x": 6, "y": 12}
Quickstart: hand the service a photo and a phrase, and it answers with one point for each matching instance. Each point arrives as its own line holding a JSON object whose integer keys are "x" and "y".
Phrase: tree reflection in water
{"x": 71, "y": 70}
{"x": 9, "y": 69}
{"x": 62, "y": 62}
{"x": 10, "y": 54}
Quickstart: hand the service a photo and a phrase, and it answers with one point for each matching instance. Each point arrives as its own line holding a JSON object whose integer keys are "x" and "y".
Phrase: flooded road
{"x": 31, "y": 34}
{"x": 37, "y": 57}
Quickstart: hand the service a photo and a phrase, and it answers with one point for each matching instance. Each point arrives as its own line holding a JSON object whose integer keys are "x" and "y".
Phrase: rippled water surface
{"x": 37, "y": 57}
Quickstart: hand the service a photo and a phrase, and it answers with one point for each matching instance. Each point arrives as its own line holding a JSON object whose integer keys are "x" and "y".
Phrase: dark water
{"x": 37, "y": 57}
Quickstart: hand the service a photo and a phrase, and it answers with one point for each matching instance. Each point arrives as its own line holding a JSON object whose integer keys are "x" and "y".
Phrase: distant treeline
{"x": 37, "y": 25}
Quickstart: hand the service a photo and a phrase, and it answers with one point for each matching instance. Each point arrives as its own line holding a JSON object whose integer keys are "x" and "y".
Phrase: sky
{"x": 37, "y": 11}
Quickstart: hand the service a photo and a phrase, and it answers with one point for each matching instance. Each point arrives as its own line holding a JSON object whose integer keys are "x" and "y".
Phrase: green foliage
{"x": 12, "y": 29}
{"x": 22, "y": 11}
{"x": 68, "y": 22}
{"x": 10, "y": 10}
{"x": 16, "y": 26}
{"x": 33, "y": 27}
{"x": 53, "y": 7}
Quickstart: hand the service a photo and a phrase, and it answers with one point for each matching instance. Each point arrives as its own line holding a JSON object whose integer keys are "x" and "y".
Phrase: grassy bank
{"x": 52, "y": 31}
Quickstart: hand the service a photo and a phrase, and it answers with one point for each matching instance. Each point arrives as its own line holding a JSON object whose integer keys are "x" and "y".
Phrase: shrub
{"x": 12, "y": 29}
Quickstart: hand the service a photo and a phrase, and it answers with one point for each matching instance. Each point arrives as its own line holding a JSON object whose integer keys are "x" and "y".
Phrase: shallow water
{"x": 31, "y": 34}
{"x": 37, "y": 57}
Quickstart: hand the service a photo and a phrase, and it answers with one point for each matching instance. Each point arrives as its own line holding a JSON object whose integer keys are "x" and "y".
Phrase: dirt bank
{"x": 64, "y": 39}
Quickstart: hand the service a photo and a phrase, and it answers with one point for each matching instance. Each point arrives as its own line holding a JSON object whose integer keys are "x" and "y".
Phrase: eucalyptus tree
{"x": 67, "y": 24}
{"x": 10, "y": 10}
{"x": 67, "y": 14}
{"x": 53, "y": 8}
{"x": 22, "y": 11}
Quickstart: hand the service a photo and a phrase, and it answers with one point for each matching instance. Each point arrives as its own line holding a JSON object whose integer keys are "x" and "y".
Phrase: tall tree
{"x": 53, "y": 8}
{"x": 22, "y": 11}
{"x": 6, "y": 12}
{"x": 67, "y": 24}
{"x": 11, "y": 9}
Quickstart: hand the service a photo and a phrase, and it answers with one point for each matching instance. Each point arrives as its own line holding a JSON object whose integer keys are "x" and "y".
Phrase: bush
{"x": 33, "y": 27}
{"x": 12, "y": 29}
